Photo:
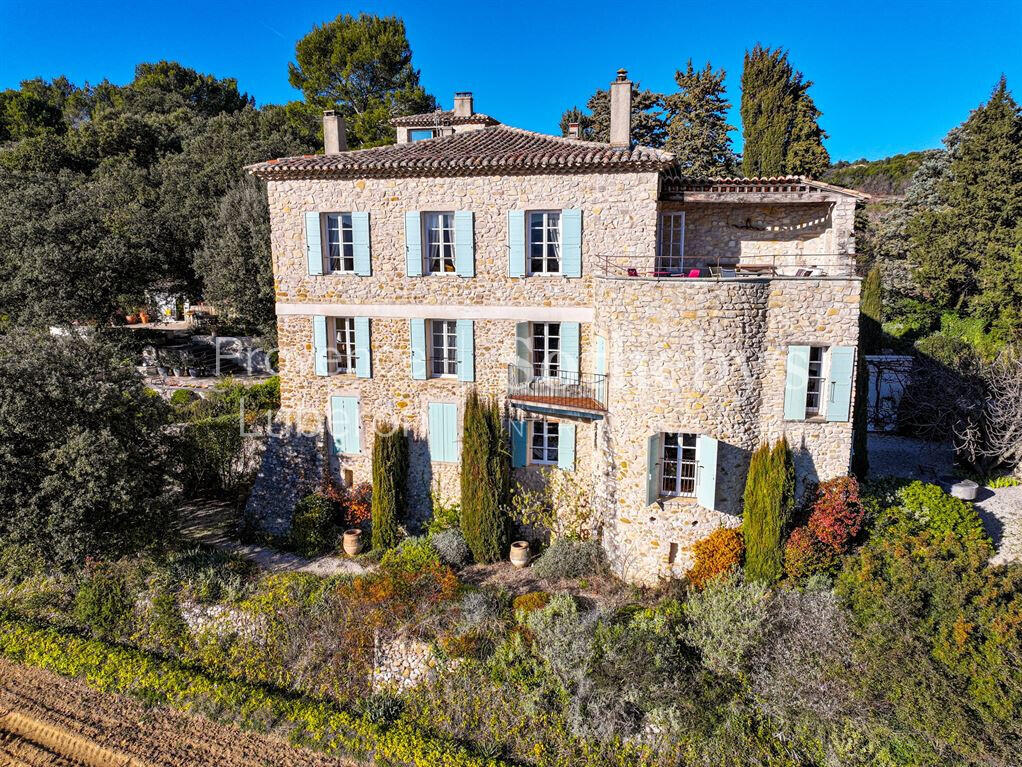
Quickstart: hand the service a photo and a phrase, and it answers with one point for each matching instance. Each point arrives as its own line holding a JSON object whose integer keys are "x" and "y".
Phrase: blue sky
{"x": 890, "y": 76}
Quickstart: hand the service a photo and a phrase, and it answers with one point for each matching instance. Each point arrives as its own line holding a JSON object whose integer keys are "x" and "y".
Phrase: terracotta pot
{"x": 131, "y": 319}
{"x": 144, "y": 317}
{"x": 352, "y": 541}
{"x": 520, "y": 553}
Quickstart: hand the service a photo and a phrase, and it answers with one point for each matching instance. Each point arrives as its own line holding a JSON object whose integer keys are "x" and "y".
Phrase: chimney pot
{"x": 335, "y": 135}
{"x": 463, "y": 104}
{"x": 621, "y": 110}
{"x": 573, "y": 130}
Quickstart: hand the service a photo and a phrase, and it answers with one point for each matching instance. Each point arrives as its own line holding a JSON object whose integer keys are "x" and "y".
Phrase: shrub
{"x": 358, "y": 505}
{"x": 565, "y": 637}
{"x": 446, "y": 514}
{"x": 806, "y": 555}
{"x": 103, "y": 601}
{"x": 215, "y": 457}
{"x": 313, "y": 526}
{"x": 390, "y": 477}
{"x": 19, "y": 562}
{"x": 931, "y": 507}
{"x": 768, "y": 502}
{"x": 451, "y": 546}
{"x": 726, "y": 621}
{"x": 481, "y": 611}
{"x": 837, "y": 517}
{"x": 531, "y": 601}
{"x": 411, "y": 555}
{"x": 485, "y": 480}
{"x": 717, "y": 553}
{"x": 181, "y": 399}
{"x": 568, "y": 558}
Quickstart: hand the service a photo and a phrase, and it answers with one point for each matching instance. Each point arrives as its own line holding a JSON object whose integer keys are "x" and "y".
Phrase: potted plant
{"x": 131, "y": 319}
{"x": 143, "y": 315}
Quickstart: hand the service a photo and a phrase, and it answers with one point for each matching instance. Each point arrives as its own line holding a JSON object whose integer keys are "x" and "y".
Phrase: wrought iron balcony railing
{"x": 572, "y": 391}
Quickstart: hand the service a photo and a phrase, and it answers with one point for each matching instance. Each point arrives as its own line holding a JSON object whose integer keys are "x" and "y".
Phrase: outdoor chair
{"x": 694, "y": 273}
{"x": 632, "y": 272}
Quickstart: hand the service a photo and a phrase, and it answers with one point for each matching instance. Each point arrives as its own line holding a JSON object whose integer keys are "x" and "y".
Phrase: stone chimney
{"x": 573, "y": 129}
{"x": 463, "y": 104}
{"x": 621, "y": 110}
{"x": 335, "y": 136}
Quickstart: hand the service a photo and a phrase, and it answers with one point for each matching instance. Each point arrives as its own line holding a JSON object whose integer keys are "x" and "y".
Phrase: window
{"x": 546, "y": 349}
{"x": 545, "y": 242}
{"x": 678, "y": 465}
{"x": 671, "y": 253}
{"x": 444, "y": 347}
{"x": 544, "y": 442}
{"x": 344, "y": 344}
{"x": 421, "y": 134}
{"x": 440, "y": 243}
{"x": 340, "y": 243}
{"x": 814, "y": 382}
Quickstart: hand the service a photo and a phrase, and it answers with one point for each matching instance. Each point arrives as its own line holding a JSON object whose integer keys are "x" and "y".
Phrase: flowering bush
{"x": 837, "y": 517}
{"x": 717, "y": 553}
{"x": 805, "y": 554}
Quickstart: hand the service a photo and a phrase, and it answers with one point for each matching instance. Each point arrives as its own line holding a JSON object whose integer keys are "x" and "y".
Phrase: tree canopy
{"x": 697, "y": 128}
{"x": 649, "y": 126}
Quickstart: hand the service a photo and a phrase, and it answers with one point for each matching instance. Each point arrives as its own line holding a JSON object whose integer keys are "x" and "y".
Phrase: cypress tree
{"x": 485, "y": 479}
{"x": 871, "y": 308}
{"x": 768, "y": 502}
{"x": 697, "y": 123}
{"x": 780, "y": 124}
{"x": 390, "y": 477}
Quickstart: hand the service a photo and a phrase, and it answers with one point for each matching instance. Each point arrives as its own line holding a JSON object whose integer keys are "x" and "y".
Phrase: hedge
{"x": 157, "y": 680}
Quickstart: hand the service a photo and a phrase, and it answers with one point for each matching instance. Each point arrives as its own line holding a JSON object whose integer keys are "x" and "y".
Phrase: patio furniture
{"x": 756, "y": 269}
{"x": 632, "y": 272}
{"x": 726, "y": 272}
{"x": 693, "y": 273}
{"x": 803, "y": 272}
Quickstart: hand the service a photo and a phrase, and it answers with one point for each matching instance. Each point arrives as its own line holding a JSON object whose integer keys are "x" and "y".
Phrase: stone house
{"x": 644, "y": 329}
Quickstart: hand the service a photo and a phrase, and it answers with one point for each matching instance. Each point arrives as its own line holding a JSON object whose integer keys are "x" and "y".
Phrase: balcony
{"x": 730, "y": 267}
{"x": 577, "y": 392}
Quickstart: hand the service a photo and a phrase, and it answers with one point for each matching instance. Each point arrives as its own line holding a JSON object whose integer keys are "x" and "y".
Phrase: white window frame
{"x": 348, "y": 355}
{"x": 819, "y": 410}
{"x": 547, "y": 434}
{"x": 671, "y": 238}
{"x": 448, "y": 355}
{"x": 345, "y": 243}
{"x": 677, "y": 463}
{"x": 427, "y": 218}
{"x": 546, "y": 242}
{"x": 412, "y": 139}
{"x": 546, "y": 362}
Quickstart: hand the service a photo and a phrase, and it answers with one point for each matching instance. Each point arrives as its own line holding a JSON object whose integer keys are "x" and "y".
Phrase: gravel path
{"x": 1001, "y": 511}
{"x": 155, "y": 736}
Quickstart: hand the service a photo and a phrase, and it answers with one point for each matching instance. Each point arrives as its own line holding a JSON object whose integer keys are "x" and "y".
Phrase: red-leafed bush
{"x": 805, "y": 554}
{"x": 717, "y": 553}
{"x": 837, "y": 517}
{"x": 359, "y": 505}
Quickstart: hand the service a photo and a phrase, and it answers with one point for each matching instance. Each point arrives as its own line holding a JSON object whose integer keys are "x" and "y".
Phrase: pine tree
{"x": 768, "y": 502}
{"x": 649, "y": 124}
{"x": 780, "y": 124}
{"x": 697, "y": 123}
{"x": 390, "y": 478}
{"x": 968, "y": 242}
{"x": 485, "y": 479}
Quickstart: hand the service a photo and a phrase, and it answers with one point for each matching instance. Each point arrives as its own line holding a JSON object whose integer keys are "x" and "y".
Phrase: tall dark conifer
{"x": 697, "y": 125}
{"x": 485, "y": 479}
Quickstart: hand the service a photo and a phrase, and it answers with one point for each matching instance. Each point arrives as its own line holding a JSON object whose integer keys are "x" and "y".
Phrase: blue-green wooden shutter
{"x": 566, "y": 446}
{"x": 443, "y": 432}
{"x": 571, "y": 243}
{"x": 363, "y": 352}
{"x": 516, "y": 243}
{"x": 466, "y": 351}
{"x": 360, "y": 242}
{"x": 313, "y": 244}
{"x": 706, "y": 471}
{"x": 652, "y": 468}
{"x": 569, "y": 347}
{"x": 464, "y": 244}
{"x": 523, "y": 345}
{"x": 413, "y": 244}
{"x": 600, "y": 356}
{"x": 842, "y": 367}
{"x": 519, "y": 443}
{"x": 417, "y": 329}
{"x": 319, "y": 345}
{"x": 344, "y": 424}
{"x": 796, "y": 383}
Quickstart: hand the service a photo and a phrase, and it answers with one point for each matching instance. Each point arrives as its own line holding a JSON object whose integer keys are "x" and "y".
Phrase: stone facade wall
{"x": 707, "y": 357}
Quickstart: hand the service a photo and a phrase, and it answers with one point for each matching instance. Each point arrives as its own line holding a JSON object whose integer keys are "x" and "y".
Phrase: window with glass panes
{"x": 444, "y": 347}
{"x": 545, "y": 242}
{"x": 814, "y": 381}
{"x": 678, "y": 464}
{"x": 344, "y": 344}
{"x": 544, "y": 442}
{"x": 546, "y": 349}
{"x": 671, "y": 254}
{"x": 339, "y": 243}
{"x": 440, "y": 243}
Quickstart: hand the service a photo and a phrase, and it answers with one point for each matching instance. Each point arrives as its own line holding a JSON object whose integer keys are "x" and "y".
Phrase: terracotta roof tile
{"x": 676, "y": 183}
{"x": 495, "y": 149}
{"x": 441, "y": 119}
